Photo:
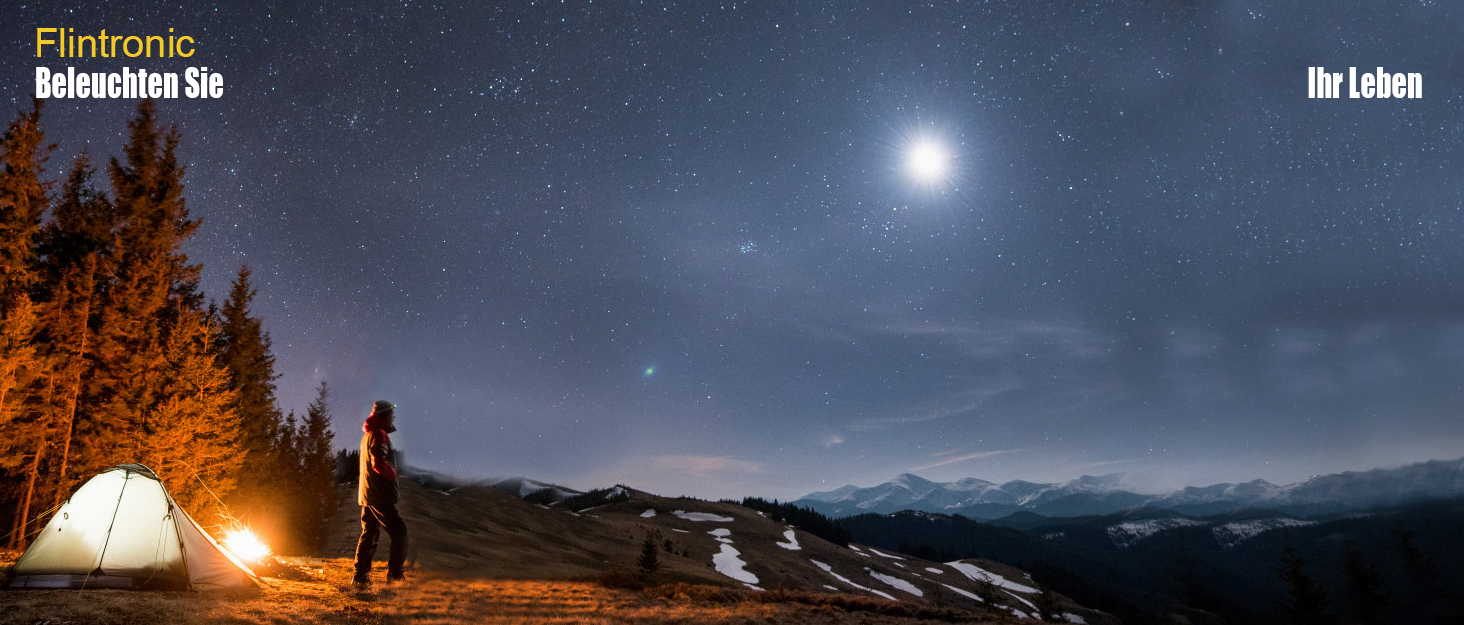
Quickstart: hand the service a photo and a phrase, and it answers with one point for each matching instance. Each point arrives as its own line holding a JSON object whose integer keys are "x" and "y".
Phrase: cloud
{"x": 1109, "y": 463}
{"x": 963, "y": 458}
{"x": 830, "y": 440}
{"x": 702, "y": 466}
{"x": 963, "y": 402}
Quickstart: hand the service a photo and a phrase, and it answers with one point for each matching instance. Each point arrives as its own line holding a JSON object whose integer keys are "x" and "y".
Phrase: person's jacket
{"x": 378, "y": 484}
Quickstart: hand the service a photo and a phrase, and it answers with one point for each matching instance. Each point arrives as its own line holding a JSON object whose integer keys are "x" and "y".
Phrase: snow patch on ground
{"x": 934, "y": 570}
{"x": 830, "y": 570}
{"x": 1232, "y": 534}
{"x": 648, "y": 513}
{"x": 979, "y": 574}
{"x": 895, "y": 582}
{"x": 965, "y": 593}
{"x": 884, "y": 555}
{"x": 729, "y": 562}
{"x": 791, "y": 543}
{"x": 1073, "y": 618}
{"x": 1127, "y": 533}
{"x": 1019, "y": 598}
{"x": 702, "y": 516}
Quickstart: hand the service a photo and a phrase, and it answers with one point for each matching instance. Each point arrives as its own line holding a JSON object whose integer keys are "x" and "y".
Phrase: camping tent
{"x": 122, "y": 529}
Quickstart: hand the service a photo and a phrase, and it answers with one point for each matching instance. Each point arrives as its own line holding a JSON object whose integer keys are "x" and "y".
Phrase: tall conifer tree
{"x": 190, "y": 438}
{"x": 22, "y": 201}
{"x": 73, "y": 247}
{"x": 1306, "y": 599}
{"x": 245, "y": 351}
{"x": 317, "y": 450}
{"x": 151, "y": 285}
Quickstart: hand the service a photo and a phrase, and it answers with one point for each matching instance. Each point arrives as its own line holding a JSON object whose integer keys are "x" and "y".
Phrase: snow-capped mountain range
{"x": 1097, "y": 495}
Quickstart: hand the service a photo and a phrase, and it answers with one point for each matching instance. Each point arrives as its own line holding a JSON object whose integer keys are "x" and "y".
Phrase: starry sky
{"x": 687, "y": 246}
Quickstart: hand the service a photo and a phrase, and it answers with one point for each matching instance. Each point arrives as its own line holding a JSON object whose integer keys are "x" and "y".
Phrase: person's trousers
{"x": 373, "y": 520}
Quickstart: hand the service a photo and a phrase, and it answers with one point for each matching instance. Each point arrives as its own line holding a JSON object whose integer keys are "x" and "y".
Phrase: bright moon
{"x": 927, "y": 161}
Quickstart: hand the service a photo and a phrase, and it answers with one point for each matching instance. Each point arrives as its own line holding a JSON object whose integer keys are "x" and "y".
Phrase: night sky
{"x": 688, "y": 247}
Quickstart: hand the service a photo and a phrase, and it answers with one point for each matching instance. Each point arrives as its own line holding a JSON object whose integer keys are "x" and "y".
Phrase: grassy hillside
{"x": 482, "y": 556}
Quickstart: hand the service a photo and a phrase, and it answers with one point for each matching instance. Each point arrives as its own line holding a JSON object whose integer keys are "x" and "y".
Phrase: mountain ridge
{"x": 1101, "y": 494}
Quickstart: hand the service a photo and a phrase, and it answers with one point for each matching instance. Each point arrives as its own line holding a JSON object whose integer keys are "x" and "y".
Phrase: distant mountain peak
{"x": 1107, "y": 481}
{"x": 1103, "y": 494}
{"x": 910, "y": 480}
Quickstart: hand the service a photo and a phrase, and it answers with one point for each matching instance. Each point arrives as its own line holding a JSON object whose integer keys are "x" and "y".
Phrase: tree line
{"x": 110, "y": 354}
{"x": 804, "y": 518}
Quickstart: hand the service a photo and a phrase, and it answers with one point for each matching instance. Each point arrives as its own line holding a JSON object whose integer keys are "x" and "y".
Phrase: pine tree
{"x": 1306, "y": 602}
{"x": 22, "y": 202}
{"x": 151, "y": 285}
{"x": 988, "y": 593}
{"x": 72, "y": 248}
{"x": 1364, "y": 585}
{"x": 282, "y": 523}
{"x": 27, "y": 435}
{"x": 245, "y": 350}
{"x": 649, "y": 561}
{"x": 23, "y": 155}
{"x": 1049, "y": 608}
{"x": 317, "y": 464}
{"x": 190, "y": 438}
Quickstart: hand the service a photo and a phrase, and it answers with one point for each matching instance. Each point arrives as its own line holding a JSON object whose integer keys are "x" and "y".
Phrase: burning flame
{"x": 246, "y": 546}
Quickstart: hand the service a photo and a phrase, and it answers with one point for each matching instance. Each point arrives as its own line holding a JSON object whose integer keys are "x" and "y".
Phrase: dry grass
{"x": 319, "y": 595}
{"x": 480, "y": 556}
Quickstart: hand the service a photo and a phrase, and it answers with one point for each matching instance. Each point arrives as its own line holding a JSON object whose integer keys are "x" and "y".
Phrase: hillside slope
{"x": 482, "y": 532}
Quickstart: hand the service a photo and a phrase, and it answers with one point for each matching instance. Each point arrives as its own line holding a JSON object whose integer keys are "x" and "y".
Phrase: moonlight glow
{"x": 913, "y": 231}
{"x": 927, "y": 161}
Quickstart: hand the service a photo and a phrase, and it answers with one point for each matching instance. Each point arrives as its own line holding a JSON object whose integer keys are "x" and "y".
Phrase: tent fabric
{"x": 122, "y": 529}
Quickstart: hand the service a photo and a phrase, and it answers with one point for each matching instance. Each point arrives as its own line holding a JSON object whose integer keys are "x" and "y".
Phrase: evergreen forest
{"x": 110, "y": 353}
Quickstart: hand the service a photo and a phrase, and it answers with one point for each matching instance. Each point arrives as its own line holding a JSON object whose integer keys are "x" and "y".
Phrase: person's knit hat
{"x": 383, "y": 407}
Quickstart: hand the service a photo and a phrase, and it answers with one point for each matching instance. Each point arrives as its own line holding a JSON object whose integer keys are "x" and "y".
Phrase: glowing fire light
{"x": 246, "y": 546}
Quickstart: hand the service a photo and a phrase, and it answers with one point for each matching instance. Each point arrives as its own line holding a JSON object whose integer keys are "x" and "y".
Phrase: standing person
{"x": 377, "y": 495}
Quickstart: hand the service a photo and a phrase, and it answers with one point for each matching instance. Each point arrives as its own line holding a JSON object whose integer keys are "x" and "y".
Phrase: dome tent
{"x": 122, "y": 529}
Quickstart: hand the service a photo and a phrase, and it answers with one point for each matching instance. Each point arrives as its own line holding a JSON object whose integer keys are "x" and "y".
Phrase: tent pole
{"x": 126, "y": 477}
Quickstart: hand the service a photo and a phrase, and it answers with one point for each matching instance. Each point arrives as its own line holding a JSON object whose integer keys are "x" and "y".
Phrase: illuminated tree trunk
{"x": 18, "y": 540}
{"x": 73, "y": 391}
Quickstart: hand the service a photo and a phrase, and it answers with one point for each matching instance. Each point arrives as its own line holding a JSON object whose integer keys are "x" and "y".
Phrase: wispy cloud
{"x": 958, "y": 404}
{"x": 702, "y": 466}
{"x": 830, "y": 440}
{"x": 965, "y": 457}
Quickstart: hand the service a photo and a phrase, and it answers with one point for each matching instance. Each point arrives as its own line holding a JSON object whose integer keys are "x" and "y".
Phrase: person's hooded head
{"x": 383, "y": 415}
